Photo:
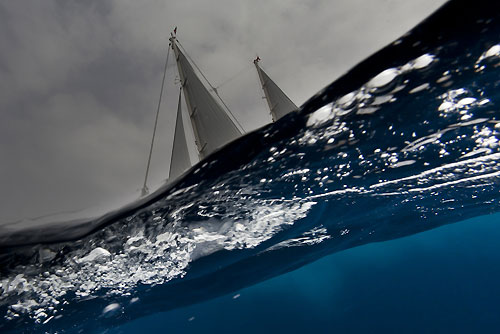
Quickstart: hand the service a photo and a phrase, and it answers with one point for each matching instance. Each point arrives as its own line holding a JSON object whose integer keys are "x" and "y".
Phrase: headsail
{"x": 279, "y": 103}
{"x": 212, "y": 126}
{"x": 179, "y": 161}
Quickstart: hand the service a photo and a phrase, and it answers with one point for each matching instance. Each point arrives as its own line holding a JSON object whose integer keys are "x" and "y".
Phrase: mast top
{"x": 173, "y": 35}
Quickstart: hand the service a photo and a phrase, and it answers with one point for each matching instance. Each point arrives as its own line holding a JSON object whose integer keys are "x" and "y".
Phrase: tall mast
{"x": 279, "y": 103}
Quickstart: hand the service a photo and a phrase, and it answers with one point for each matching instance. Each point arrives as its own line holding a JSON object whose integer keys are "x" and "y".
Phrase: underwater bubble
{"x": 321, "y": 115}
{"x": 446, "y": 105}
{"x": 111, "y": 310}
{"x": 403, "y": 163}
{"x": 443, "y": 78}
{"x": 48, "y": 319}
{"x": 346, "y": 98}
{"x": 366, "y": 111}
{"x": 383, "y": 78}
{"x": 423, "y": 61}
{"x": 382, "y": 99}
{"x": 419, "y": 88}
{"x": 494, "y": 51}
{"x": 466, "y": 101}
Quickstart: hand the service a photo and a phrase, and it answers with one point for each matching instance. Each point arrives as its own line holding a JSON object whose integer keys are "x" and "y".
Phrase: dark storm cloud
{"x": 79, "y": 80}
{"x": 71, "y": 103}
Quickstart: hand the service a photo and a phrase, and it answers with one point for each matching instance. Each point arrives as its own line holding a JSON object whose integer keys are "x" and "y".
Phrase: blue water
{"x": 440, "y": 281}
{"x": 404, "y": 143}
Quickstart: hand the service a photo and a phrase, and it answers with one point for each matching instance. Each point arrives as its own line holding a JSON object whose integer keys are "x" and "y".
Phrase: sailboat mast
{"x": 264, "y": 88}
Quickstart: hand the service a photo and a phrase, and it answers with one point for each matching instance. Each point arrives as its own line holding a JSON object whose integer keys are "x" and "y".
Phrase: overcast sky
{"x": 79, "y": 80}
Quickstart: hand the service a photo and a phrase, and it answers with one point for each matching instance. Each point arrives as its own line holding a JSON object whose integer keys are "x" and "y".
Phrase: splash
{"x": 405, "y": 142}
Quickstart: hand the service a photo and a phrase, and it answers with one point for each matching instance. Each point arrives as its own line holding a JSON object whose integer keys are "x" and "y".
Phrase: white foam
{"x": 98, "y": 254}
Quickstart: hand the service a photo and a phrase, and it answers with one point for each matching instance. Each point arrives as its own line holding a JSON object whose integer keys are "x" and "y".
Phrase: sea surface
{"x": 371, "y": 209}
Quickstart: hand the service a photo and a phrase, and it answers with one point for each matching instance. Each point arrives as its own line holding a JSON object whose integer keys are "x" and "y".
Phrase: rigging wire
{"x": 145, "y": 189}
{"x": 240, "y": 72}
{"x": 211, "y": 86}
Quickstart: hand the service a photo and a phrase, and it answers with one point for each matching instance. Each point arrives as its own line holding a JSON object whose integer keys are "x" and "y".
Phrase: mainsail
{"x": 212, "y": 126}
{"x": 180, "y": 161}
{"x": 279, "y": 103}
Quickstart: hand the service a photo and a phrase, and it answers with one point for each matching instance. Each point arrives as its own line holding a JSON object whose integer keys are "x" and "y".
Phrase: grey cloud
{"x": 79, "y": 80}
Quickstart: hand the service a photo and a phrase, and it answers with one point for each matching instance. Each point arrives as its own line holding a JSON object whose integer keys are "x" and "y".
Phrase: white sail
{"x": 279, "y": 103}
{"x": 212, "y": 126}
{"x": 179, "y": 161}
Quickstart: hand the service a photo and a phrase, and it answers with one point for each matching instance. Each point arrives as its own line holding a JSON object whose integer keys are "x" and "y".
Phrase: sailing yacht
{"x": 212, "y": 125}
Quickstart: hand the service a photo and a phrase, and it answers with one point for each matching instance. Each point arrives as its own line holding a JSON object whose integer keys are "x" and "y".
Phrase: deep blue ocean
{"x": 371, "y": 209}
{"x": 440, "y": 281}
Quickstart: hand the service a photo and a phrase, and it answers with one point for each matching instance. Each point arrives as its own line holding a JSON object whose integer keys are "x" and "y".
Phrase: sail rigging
{"x": 279, "y": 103}
{"x": 212, "y": 126}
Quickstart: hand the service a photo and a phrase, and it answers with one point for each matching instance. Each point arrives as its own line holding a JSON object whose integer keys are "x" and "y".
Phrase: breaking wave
{"x": 405, "y": 142}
